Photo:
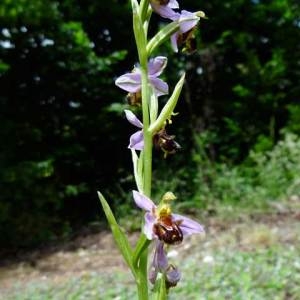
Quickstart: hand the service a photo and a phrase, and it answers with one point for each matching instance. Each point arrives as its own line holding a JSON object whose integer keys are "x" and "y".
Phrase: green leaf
{"x": 160, "y": 290}
{"x": 141, "y": 245}
{"x": 153, "y": 106}
{"x": 144, "y": 9}
{"x": 120, "y": 237}
{"x": 169, "y": 107}
{"x": 137, "y": 176}
{"x": 162, "y": 36}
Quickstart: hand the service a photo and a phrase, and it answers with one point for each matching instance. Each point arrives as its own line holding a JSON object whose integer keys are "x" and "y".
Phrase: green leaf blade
{"x": 119, "y": 236}
{"x": 142, "y": 244}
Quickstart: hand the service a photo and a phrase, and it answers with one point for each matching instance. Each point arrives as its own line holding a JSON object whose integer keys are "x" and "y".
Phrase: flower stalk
{"x": 140, "y": 32}
{"x": 160, "y": 224}
{"x": 141, "y": 41}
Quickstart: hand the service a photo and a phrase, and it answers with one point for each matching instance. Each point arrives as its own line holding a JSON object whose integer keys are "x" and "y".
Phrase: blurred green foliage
{"x": 64, "y": 135}
{"x": 56, "y": 84}
{"x": 262, "y": 177}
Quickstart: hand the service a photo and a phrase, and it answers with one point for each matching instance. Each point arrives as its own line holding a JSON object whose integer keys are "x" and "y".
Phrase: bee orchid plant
{"x": 160, "y": 225}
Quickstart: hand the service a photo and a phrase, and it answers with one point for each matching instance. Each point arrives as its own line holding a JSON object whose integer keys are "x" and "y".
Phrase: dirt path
{"x": 89, "y": 253}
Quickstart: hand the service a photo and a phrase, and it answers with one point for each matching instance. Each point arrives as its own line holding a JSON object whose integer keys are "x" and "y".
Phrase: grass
{"x": 264, "y": 274}
{"x": 270, "y": 273}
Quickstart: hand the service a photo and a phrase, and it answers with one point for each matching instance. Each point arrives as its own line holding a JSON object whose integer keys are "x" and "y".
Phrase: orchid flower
{"x": 187, "y": 22}
{"x": 132, "y": 82}
{"x": 161, "y": 223}
{"x": 161, "y": 139}
{"x": 165, "y": 7}
{"x": 160, "y": 264}
{"x": 144, "y": 86}
{"x": 136, "y": 140}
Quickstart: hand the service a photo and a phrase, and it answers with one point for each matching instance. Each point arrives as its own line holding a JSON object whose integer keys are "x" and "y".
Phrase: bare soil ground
{"x": 97, "y": 251}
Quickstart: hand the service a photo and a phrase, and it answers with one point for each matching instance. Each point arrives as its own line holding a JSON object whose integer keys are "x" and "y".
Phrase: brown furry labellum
{"x": 168, "y": 231}
{"x": 187, "y": 41}
{"x": 134, "y": 99}
{"x": 166, "y": 142}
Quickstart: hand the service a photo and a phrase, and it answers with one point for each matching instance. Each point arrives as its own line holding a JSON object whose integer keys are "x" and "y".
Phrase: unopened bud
{"x": 172, "y": 276}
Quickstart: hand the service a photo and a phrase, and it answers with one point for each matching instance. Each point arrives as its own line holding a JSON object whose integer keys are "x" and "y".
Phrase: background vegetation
{"x": 64, "y": 136}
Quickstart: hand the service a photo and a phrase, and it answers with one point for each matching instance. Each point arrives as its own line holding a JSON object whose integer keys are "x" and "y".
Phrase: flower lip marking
{"x": 165, "y": 142}
{"x": 165, "y": 228}
{"x": 187, "y": 41}
{"x": 168, "y": 231}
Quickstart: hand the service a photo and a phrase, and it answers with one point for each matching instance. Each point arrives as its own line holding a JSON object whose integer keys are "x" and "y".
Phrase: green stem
{"x": 140, "y": 32}
{"x": 147, "y": 160}
{"x": 144, "y": 9}
{"x": 162, "y": 292}
{"x": 141, "y": 245}
{"x": 142, "y": 278}
{"x": 141, "y": 41}
{"x": 147, "y": 152}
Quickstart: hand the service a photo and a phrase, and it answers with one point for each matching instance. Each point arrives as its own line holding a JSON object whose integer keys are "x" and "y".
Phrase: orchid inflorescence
{"x": 160, "y": 225}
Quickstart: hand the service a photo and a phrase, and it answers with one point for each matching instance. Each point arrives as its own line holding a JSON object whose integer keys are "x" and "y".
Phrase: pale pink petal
{"x": 156, "y": 65}
{"x": 160, "y": 260}
{"x": 175, "y": 17}
{"x": 164, "y": 11}
{"x": 173, "y": 4}
{"x": 152, "y": 275}
{"x": 130, "y": 82}
{"x": 143, "y": 202}
{"x": 136, "y": 141}
{"x": 160, "y": 87}
{"x": 187, "y": 21}
{"x": 174, "y": 38}
{"x": 148, "y": 227}
{"x": 131, "y": 117}
{"x": 187, "y": 225}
